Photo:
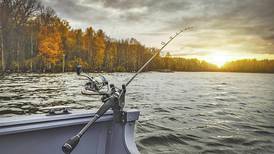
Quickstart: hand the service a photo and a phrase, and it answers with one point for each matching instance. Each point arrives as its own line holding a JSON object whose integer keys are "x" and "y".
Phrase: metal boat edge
{"x": 45, "y": 134}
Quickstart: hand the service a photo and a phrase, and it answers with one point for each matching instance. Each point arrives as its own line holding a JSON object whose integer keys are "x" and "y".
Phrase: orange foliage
{"x": 50, "y": 44}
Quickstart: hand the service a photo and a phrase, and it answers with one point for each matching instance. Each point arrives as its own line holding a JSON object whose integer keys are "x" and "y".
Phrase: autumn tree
{"x": 99, "y": 44}
{"x": 89, "y": 45}
{"x": 110, "y": 54}
{"x": 50, "y": 44}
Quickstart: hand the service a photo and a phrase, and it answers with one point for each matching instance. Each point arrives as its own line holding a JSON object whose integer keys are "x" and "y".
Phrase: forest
{"x": 249, "y": 65}
{"x": 34, "y": 39}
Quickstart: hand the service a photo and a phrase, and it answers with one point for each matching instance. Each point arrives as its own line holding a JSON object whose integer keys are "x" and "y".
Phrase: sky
{"x": 224, "y": 30}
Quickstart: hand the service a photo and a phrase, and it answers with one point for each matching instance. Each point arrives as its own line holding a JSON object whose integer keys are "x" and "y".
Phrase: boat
{"x": 46, "y": 133}
{"x": 109, "y": 130}
{"x": 102, "y": 132}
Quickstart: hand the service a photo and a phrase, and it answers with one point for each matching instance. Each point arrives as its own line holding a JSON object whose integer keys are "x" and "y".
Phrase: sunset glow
{"x": 218, "y": 59}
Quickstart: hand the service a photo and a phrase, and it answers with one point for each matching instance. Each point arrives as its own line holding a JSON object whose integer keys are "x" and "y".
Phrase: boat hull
{"x": 46, "y": 134}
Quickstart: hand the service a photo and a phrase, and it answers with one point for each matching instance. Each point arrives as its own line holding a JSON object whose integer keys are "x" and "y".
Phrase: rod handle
{"x": 70, "y": 144}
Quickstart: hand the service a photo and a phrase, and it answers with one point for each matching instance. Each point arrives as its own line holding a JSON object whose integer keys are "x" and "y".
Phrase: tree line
{"x": 34, "y": 39}
{"x": 250, "y": 65}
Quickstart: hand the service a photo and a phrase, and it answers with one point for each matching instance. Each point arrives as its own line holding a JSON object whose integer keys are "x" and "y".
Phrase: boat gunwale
{"x": 38, "y": 118}
{"x": 39, "y": 122}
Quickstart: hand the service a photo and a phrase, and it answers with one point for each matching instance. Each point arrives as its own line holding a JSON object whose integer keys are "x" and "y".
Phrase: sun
{"x": 218, "y": 59}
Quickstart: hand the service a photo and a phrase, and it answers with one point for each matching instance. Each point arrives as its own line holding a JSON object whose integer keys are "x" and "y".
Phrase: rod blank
{"x": 164, "y": 45}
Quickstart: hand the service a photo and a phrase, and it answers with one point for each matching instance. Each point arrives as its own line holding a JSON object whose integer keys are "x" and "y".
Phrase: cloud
{"x": 152, "y": 5}
{"x": 270, "y": 37}
{"x": 122, "y": 4}
{"x": 77, "y": 12}
{"x": 239, "y": 26}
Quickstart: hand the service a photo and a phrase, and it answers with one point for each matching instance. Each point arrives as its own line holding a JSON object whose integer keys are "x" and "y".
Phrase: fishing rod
{"x": 164, "y": 45}
{"x": 113, "y": 98}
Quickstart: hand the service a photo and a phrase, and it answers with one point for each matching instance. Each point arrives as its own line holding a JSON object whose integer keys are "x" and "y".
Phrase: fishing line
{"x": 164, "y": 45}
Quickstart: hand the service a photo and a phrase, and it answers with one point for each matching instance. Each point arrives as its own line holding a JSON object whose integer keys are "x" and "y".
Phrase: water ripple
{"x": 180, "y": 112}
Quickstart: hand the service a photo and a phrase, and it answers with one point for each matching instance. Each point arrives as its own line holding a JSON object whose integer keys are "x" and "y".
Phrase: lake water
{"x": 181, "y": 112}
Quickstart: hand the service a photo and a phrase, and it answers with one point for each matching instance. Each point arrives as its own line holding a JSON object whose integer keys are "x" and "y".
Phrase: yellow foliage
{"x": 50, "y": 44}
{"x": 100, "y": 49}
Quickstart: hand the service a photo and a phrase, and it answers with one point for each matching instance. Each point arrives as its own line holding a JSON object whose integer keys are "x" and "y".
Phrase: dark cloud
{"x": 75, "y": 11}
{"x": 152, "y": 5}
{"x": 229, "y": 15}
{"x": 123, "y": 4}
{"x": 67, "y": 7}
{"x": 140, "y": 10}
{"x": 170, "y": 6}
{"x": 270, "y": 37}
{"x": 133, "y": 17}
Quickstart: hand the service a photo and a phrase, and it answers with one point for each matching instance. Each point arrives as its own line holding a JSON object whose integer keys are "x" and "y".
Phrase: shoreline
{"x": 156, "y": 71}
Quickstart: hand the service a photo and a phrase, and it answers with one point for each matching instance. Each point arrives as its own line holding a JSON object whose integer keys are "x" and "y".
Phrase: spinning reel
{"x": 95, "y": 86}
{"x": 99, "y": 86}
